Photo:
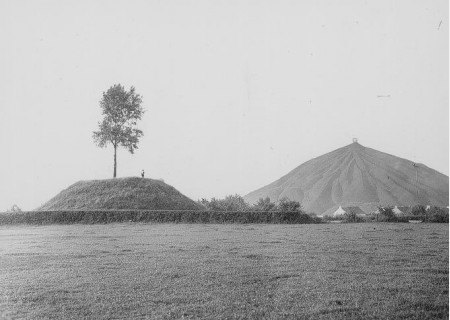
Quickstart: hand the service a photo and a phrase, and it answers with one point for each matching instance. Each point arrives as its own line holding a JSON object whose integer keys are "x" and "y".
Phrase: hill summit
{"x": 120, "y": 193}
{"x": 356, "y": 175}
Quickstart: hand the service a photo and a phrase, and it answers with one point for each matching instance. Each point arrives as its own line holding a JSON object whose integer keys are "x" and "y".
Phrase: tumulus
{"x": 120, "y": 194}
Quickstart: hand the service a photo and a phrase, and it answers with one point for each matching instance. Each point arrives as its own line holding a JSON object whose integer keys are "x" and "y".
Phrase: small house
{"x": 401, "y": 210}
{"x": 343, "y": 210}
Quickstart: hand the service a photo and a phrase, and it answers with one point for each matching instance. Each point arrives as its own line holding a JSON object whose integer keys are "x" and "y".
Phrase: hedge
{"x": 156, "y": 216}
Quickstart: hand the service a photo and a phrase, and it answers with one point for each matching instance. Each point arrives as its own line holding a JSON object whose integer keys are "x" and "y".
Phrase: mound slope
{"x": 356, "y": 175}
{"x": 120, "y": 193}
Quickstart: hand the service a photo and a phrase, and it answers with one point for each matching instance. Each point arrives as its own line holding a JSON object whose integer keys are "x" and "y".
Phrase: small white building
{"x": 339, "y": 212}
{"x": 401, "y": 210}
{"x": 343, "y": 210}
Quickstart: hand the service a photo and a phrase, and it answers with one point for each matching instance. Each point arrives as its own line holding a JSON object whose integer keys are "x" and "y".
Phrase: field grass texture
{"x": 224, "y": 271}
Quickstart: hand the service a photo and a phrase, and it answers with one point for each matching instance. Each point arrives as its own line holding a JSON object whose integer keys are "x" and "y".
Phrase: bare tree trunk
{"x": 115, "y": 160}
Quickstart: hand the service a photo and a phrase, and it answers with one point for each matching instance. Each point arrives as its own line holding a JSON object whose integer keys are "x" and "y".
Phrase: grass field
{"x": 173, "y": 271}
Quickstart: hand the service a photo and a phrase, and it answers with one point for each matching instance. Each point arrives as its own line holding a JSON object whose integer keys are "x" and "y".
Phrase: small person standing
{"x": 142, "y": 173}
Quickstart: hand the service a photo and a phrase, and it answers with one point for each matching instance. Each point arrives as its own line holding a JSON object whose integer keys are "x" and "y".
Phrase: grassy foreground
{"x": 191, "y": 271}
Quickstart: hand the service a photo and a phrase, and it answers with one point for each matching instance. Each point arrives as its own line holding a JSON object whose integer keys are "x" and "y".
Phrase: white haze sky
{"x": 238, "y": 93}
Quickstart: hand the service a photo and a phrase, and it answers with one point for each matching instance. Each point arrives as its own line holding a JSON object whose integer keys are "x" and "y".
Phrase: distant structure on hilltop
{"x": 358, "y": 176}
{"x": 14, "y": 208}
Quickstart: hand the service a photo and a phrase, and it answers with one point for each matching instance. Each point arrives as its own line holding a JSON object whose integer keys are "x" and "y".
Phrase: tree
{"x": 351, "y": 217}
{"x": 212, "y": 205}
{"x": 235, "y": 203}
{"x": 229, "y": 203}
{"x": 290, "y": 211}
{"x": 121, "y": 110}
{"x": 418, "y": 210}
{"x": 436, "y": 214}
{"x": 386, "y": 214}
{"x": 286, "y": 205}
{"x": 264, "y": 204}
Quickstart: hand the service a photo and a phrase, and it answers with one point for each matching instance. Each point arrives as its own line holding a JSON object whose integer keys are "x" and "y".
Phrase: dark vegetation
{"x": 348, "y": 217}
{"x": 160, "y": 216}
{"x": 434, "y": 214}
{"x": 386, "y": 214}
{"x": 237, "y": 203}
{"x": 229, "y": 203}
{"x": 418, "y": 212}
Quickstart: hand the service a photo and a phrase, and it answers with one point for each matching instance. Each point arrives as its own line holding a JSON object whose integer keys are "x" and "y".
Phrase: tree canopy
{"x": 289, "y": 205}
{"x": 121, "y": 109}
{"x": 264, "y": 204}
{"x": 229, "y": 203}
{"x": 237, "y": 203}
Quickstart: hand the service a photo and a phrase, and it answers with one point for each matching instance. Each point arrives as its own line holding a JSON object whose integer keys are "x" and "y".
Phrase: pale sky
{"x": 237, "y": 93}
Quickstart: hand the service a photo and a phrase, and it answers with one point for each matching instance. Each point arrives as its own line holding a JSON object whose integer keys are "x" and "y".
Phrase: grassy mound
{"x": 120, "y": 194}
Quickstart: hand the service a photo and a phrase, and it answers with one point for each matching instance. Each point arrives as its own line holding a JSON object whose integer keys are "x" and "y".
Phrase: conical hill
{"x": 356, "y": 175}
